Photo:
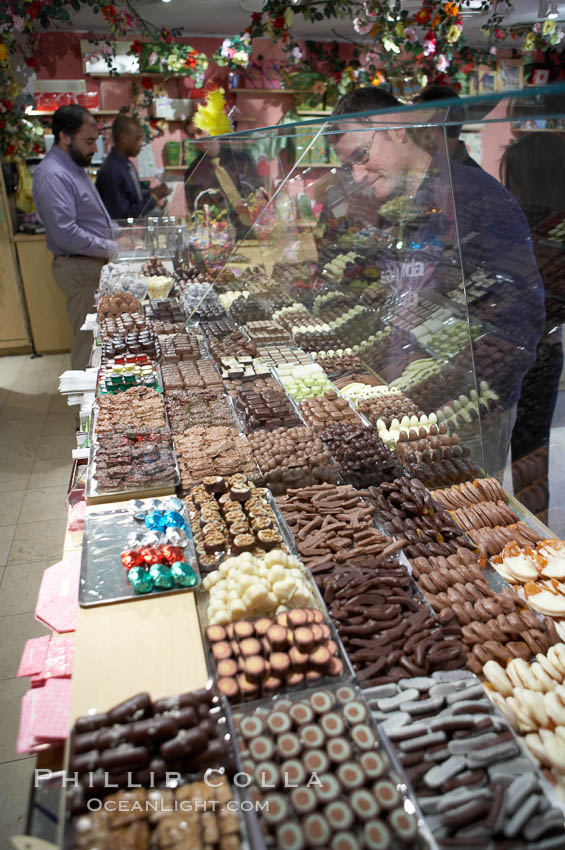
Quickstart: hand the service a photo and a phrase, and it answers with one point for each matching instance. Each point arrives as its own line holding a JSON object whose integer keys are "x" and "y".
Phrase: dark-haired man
{"x": 442, "y": 222}
{"x": 79, "y": 231}
{"x": 118, "y": 181}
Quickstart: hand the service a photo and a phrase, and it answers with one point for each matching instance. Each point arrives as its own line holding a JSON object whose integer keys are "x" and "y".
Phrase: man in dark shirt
{"x": 118, "y": 181}
{"x": 456, "y": 147}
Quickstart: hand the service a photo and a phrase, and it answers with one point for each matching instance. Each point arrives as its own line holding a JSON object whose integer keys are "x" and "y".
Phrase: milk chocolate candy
{"x": 134, "y": 708}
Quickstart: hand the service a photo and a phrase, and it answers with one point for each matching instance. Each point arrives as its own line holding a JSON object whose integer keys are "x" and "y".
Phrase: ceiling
{"x": 227, "y": 17}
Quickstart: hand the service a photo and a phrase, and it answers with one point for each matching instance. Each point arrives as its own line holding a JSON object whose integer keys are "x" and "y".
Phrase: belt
{"x": 80, "y": 257}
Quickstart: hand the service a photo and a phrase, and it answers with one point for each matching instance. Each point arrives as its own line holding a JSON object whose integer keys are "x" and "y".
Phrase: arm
{"x": 55, "y": 199}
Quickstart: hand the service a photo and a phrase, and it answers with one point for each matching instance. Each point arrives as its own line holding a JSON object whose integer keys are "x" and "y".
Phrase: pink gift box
{"x": 33, "y": 657}
{"x": 51, "y": 720}
{"x": 57, "y": 602}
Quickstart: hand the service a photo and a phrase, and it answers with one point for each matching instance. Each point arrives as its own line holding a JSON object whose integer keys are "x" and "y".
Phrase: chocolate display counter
{"x": 342, "y": 630}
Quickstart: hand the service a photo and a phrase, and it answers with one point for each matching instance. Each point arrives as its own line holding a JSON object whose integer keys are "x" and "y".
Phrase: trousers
{"x": 78, "y": 278}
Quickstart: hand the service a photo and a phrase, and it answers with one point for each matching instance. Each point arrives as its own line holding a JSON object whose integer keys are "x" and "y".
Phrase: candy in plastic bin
{"x": 183, "y": 574}
{"x": 137, "y": 508}
{"x": 140, "y": 580}
{"x": 174, "y": 520}
{"x": 155, "y": 521}
{"x": 162, "y": 576}
{"x": 153, "y": 538}
{"x": 135, "y": 540}
{"x": 174, "y": 504}
{"x": 154, "y": 505}
{"x": 177, "y": 537}
{"x": 131, "y": 558}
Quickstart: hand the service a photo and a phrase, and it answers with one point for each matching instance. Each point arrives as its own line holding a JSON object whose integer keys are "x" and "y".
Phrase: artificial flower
{"x": 153, "y": 58}
{"x": 3, "y": 53}
{"x": 296, "y": 54}
{"x": 319, "y": 87}
{"x": 442, "y": 62}
{"x": 499, "y": 33}
{"x": 174, "y": 62}
{"x": 435, "y": 22}
{"x": 451, "y": 9}
{"x": 390, "y": 45}
{"x": 453, "y": 34}
{"x": 279, "y": 22}
{"x": 529, "y": 42}
{"x": 361, "y": 27}
{"x": 556, "y": 37}
{"x": 166, "y": 36}
{"x": 423, "y": 16}
{"x": 493, "y": 50}
{"x": 34, "y": 9}
{"x": 377, "y": 79}
{"x": 537, "y": 27}
{"x": 147, "y": 83}
{"x": 256, "y": 18}
{"x": 288, "y": 17}
{"x": 136, "y": 47}
{"x": 18, "y": 23}
{"x": 429, "y": 44}
{"x": 399, "y": 29}
{"x": 410, "y": 35}
{"x": 548, "y": 27}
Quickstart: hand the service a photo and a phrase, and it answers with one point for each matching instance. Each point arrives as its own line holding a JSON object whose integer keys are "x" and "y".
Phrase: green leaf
{"x": 76, "y": 5}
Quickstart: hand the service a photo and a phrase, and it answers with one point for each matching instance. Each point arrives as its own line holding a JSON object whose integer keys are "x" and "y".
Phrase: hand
{"x": 160, "y": 191}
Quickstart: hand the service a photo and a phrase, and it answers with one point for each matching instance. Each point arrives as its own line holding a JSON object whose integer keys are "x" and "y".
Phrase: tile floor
{"x": 36, "y": 438}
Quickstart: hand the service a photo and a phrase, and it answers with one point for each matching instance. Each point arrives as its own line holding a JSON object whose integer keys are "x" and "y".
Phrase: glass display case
{"x": 428, "y": 293}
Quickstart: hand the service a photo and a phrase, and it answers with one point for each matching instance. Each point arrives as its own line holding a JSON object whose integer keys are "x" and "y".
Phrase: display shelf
{"x": 176, "y": 167}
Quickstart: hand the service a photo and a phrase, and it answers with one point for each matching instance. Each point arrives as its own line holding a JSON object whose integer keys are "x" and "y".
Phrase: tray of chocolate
{"x": 230, "y": 516}
{"x": 144, "y": 550}
{"x": 334, "y": 524}
{"x": 264, "y": 331}
{"x": 265, "y": 409}
{"x": 387, "y": 628}
{"x": 130, "y": 465}
{"x": 157, "y": 754}
{"x": 480, "y": 507}
{"x": 323, "y": 776}
{"x": 137, "y": 408}
{"x": 186, "y": 408}
{"x": 122, "y": 373}
{"x": 209, "y": 451}
{"x": 181, "y": 346}
{"x": 472, "y": 780}
{"x": 361, "y": 455}
{"x": 292, "y": 457}
{"x": 258, "y": 658}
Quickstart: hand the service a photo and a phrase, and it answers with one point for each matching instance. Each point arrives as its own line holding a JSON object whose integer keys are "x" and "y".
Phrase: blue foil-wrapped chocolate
{"x": 173, "y": 519}
{"x": 140, "y": 580}
{"x": 183, "y": 574}
{"x": 162, "y": 576}
{"x": 155, "y": 521}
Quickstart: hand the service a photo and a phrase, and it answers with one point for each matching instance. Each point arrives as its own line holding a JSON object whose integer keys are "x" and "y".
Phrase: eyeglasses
{"x": 360, "y": 156}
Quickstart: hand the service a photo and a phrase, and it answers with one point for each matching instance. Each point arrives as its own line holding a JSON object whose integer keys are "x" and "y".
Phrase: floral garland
{"x": 426, "y": 45}
{"x": 234, "y": 52}
{"x": 169, "y": 57}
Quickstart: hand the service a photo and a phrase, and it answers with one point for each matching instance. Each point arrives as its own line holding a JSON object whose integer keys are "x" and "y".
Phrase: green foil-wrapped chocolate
{"x": 162, "y": 576}
{"x": 183, "y": 574}
{"x": 140, "y": 580}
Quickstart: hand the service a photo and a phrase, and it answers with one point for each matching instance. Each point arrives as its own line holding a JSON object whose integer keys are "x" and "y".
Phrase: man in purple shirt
{"x": 78, "y": 228}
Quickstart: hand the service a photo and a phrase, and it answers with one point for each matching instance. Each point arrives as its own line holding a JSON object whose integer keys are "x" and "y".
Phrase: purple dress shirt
{"x": 71, "y": 209}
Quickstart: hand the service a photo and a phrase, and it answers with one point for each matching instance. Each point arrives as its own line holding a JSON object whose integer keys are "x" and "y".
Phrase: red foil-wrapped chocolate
{"x": 172, "y": 553}
{"x": 131, "y": 558}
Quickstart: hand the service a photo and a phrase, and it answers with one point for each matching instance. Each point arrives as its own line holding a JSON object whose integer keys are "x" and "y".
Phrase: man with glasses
{"x": 441, "y": 222}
